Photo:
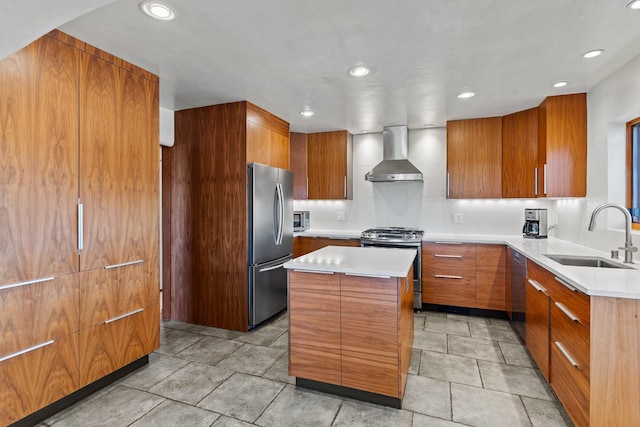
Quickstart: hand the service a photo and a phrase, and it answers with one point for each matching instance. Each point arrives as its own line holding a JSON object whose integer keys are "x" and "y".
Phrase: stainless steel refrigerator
{"x": 270, "y": 239}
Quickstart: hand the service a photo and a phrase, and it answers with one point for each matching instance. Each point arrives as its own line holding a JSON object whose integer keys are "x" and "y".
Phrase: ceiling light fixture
{"x": 465, "y": 95}
{"x": 430, "y": 125}
{"x": 560, "y": 84}
{"x": 307, "y": 113}
{"x": 359, "y": 71}
{"x": 592, "y": 53}
{"x": 157, "y": 10}
{"x": 364, "y": 131}
{"x": 635, "y": 5}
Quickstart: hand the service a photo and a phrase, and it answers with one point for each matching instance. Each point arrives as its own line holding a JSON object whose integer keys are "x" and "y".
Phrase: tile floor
{"x": 464, "y": 371}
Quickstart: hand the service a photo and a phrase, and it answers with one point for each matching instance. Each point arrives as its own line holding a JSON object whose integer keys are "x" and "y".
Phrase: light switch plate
{"x": 341, "y": 216}
{"x": 457, "y": 218}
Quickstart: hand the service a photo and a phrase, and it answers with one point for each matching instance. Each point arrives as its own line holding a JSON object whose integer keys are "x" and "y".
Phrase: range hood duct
{"x": 394, "y": 166}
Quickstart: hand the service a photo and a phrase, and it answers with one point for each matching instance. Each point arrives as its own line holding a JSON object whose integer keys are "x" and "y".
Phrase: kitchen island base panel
{"x": 48, "y": 411}
{"x": 351, "y": 393}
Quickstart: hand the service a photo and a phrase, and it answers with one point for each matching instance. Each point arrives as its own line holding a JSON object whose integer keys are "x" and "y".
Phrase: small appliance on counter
{"x": 301, "y": 220}
{"x": 535, "y": 224}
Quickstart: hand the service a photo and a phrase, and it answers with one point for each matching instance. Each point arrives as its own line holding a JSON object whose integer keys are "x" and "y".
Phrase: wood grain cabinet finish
{"x": 474, "y": 158}
{"x": 449, "y": 274}
{"x": 562, "y": 146}
{"x": 38, "y": 162}
{"x": 119, "y": 136}
{"x": 267, "y": 138}
{"x": 298, "y": 165}
{"x": 35, "y": 379}
{"x": 520, "y": 154}
{"x": 306, "y": 245}
{"x": 491, "y": 277}
{"x": 329, "y": 165}
{"x": 537, "y": 323}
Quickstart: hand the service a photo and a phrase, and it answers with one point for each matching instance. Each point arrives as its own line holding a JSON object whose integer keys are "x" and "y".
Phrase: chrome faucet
{"x": 628, "y": 248}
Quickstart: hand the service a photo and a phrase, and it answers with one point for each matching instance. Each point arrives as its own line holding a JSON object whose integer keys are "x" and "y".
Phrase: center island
{"x": 351, "y": 321}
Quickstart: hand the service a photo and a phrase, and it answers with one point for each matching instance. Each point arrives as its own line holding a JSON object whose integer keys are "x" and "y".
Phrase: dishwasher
{"x": 518, "y": 292}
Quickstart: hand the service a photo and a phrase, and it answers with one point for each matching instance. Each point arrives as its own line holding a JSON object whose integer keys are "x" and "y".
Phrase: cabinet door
{"x": 369, "y": 339}
{"x": 490, "y": 277}
{"x": 119, "y": 164}
{"x": 449, "y": 274}
{"x": 474, "y": 158}
{"x": 537, "y": 324}
{"x": 562, "y": 146}
{"x": 327, "y": 161}
{"x": 314, "y": 334}
{"x": 520, "y": 154}
{"x": 298, "y": 165}
{"x": 38, "y": 162}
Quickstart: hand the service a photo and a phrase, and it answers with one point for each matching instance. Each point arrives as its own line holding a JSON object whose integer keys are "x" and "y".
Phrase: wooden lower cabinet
{"x": 571, "y": 387}
{"x": 491, "y": 277}
{"x": 537, "y": 325}
{"x": 449, "y": 274}
{"x": 108, "y": 346}
{"x": 33, "y": 380}
{"x": 304, "y": 245}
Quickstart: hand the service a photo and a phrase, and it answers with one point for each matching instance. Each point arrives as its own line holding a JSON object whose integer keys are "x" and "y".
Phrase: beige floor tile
{"x": 433, "y": 341}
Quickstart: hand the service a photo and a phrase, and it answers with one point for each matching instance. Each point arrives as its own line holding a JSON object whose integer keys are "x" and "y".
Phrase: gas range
{"x": 392, "y": 235}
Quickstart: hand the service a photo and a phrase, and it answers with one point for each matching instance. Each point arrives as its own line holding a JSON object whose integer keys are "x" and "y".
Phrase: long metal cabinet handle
{"x": 566, "y": 354}
{"x": 131, "y": 313}
{"x": 375, "y": 276}
{"x": 446, "y": 276}
{"x": 314, "y": 271}
{"x": 447, "y": 243}
{"x": 272, "y": 267}
{"x": 447, "y": 256}
{"x": 567, "y": 313}
{"x": 345, "y": 186}
{"x": 124, "y": 264}
{"x": 544, "y": 171}
{"x": 565, "y": 283}
{"x": 28, "y": 282}
{"x": 447, "y": 184}
{"x": 535, "y": 186}
{"x": 80, "y": 226}
{"x": 537, "y": 286}
{"x": 307, "y": 187}
{"x": 26, "y": 350}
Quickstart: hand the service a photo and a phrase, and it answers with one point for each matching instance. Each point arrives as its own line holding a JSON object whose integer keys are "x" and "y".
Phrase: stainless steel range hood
{"x": 394, "y": 167}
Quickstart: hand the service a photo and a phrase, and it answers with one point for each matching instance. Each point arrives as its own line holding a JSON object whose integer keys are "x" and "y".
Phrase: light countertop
{"x": 330, "y": 234}
{"x": 387, "y": 262}
{"x": 607, "y": 282}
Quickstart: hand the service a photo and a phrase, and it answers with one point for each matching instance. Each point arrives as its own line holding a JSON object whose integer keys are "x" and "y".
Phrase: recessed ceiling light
{"x": 560, "y": 84}
{"x": 635, "y": 4}
{"x": 364, "y": 131}
{"x": 430, "y": 125}
{"x": 157, "y": 10}
{"x": 465, "y": 95}
{"x": 307, "y": 113}
{"x": 359, "y": 71}
{"x": 592, "y": 53}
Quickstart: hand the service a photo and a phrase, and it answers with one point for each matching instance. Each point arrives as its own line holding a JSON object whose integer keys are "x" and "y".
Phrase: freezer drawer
{"x": 267, "y": 290}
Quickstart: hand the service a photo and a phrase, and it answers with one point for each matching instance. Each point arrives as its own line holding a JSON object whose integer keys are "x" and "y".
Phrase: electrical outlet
{"x": 341, "y": 216}
{"x": 457, "y": 218}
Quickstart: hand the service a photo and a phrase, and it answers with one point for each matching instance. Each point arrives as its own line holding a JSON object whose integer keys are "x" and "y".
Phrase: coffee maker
{"x": 535, "y": 224}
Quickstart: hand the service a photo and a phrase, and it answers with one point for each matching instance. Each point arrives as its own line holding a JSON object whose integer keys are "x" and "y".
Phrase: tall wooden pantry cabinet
{"x": 79, "y": 271}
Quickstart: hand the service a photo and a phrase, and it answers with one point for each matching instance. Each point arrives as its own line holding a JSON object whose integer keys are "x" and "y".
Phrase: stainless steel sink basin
{"x": 585, "y": 261}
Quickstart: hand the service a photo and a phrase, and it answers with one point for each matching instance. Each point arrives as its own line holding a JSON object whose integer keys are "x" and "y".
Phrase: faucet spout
{"x": 628, "y": 248}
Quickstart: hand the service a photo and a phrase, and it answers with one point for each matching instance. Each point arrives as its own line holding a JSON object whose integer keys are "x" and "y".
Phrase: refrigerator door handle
{"x": 276, "y": 212}
{"x": 281, "y": 216}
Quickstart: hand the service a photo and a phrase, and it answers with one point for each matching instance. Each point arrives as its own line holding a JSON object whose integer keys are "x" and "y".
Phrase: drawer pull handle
{"x": 566, "y": 311}
{"x": 123, "y": 316}
{"x": 447, "y": 256}
{"x": 313, "y": 271}
{"x": 566, "y": 354}
{"x": 537, "y": 286}
{"x": 565, "y": 283}
{"x": 28, "y": 282}
{"x": 447, "y": 243}
{"x": 26, "y": 350}
{"x": 375, "y": 276}
{"x": 124, "y": 264}
{"x": 446, "y": 276}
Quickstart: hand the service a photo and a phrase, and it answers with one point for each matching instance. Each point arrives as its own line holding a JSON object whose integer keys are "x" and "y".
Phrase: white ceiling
{"x": 286, "y": 55}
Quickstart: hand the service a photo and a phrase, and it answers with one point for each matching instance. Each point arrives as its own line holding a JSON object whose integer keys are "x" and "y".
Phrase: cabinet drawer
{"x": 459, "y": 289}
{"x": 110, "y": 345}
{"x": 573, "y": 336}
{"x": 108, "y": 293}
{"x": 33, "y": 380}
{"x": 315, "y": 282}
{"x": 537, "y": 327}
{"x": 571, "y": 387}
{"x": 36, "y": 313}
{"x": 466, "y": 251}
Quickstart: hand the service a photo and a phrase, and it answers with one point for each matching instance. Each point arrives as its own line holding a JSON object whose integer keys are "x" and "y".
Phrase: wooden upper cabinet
{"x": 298, "y": 165}
{"x": 119, "y": 140}
{"x": 520, "y": 154}
{"x": 562, "y": 146}
{"x": 329, "y": 163}
{"x": 474, "y": 158}
{"x": 38, "y": 162}
{"x": 267, "y": 138}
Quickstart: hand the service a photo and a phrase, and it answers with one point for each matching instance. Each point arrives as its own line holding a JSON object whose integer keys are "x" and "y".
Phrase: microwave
{"x": 300, "y": 220}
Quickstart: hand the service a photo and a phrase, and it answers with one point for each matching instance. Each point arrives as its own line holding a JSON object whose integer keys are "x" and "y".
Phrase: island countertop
{"x": 368, "y": 261}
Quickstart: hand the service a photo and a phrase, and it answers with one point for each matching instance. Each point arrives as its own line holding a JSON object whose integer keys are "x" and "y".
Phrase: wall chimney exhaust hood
{"x": 394, "y": 166}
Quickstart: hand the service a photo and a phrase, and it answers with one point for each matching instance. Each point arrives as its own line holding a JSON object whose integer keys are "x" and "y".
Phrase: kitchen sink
{"x": 586, "y": 261}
